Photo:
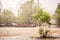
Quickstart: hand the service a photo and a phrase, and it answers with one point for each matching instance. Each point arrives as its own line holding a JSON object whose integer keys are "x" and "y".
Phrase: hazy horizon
{"x": 48, "y": 5}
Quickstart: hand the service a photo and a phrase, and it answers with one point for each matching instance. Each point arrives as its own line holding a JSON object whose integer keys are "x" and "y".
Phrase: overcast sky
{"x": 48, "y": 5}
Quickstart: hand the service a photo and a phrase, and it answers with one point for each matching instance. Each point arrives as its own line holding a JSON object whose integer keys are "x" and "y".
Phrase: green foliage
{"x": 44, "y": 32}
{"x": 42, "y": 17}
{"x": 41, "y": 31}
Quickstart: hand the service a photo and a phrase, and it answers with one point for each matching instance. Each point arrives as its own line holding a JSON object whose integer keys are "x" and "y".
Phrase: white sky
{"x": 48, "y": 5}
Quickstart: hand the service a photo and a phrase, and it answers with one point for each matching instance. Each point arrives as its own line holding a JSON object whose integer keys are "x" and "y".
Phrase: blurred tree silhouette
{"x": 26, "y": 10}
{"x": 7, "y": 17}
{"x": 57, "y": 14}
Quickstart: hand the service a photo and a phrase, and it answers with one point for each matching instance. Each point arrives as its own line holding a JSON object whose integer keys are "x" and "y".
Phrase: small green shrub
{"x": 44, "y": 32}
{"x": 42, "y": 17}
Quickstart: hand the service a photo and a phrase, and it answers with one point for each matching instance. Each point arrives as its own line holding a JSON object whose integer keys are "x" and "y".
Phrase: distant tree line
{"x": 25, "y": 13}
